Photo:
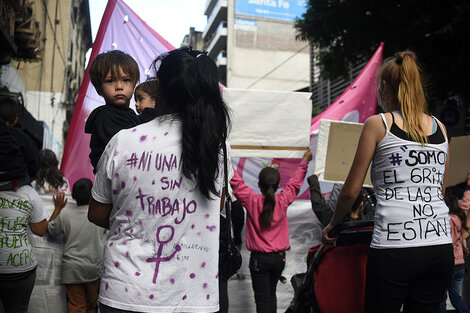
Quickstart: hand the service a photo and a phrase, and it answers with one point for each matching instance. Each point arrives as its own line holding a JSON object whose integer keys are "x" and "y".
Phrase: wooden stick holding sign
{"x": 336, "y": 147}
{"x": 269, "y": 123}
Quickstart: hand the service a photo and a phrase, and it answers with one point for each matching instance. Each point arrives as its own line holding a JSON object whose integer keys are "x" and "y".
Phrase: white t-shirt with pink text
{"x": 162, "y": 250}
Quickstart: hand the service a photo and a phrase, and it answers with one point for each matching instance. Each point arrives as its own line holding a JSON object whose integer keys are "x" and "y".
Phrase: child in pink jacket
{"x": 459, "y": 223}
{"x": 267, "y": 230}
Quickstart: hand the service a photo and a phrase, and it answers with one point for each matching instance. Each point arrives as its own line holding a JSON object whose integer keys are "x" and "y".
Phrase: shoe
{"x": 282, "y": 279}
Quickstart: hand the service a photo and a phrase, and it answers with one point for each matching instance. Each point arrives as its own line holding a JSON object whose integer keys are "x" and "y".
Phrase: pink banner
{"x": 357, "y": 103}
{"x": 120, "y": 29}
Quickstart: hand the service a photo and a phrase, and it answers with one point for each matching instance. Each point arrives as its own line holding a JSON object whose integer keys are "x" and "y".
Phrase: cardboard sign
{"x": 269, "y": 123}
{"x": 336, "y": 148}
{"x": 459, "y": 162}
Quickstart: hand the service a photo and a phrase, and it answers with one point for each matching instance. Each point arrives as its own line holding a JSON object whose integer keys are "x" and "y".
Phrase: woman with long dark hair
{"x": 50, "y": 180}
{"x": 159, "y": 190}
{"x": 410, "y": 260}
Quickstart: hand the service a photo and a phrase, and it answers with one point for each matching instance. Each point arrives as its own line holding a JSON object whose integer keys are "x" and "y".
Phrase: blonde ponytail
{"x": 411, "y": 96}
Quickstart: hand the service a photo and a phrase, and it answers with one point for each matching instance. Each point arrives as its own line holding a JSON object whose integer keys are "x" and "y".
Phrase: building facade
{"x": 254, "y": 44}
{"x": 50, "y": 67}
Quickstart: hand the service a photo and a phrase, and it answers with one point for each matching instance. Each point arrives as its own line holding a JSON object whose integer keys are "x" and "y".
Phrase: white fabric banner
{"x": 269, "y": 123}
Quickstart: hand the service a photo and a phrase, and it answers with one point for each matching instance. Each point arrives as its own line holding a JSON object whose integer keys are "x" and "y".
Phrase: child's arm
{"x": 321, "y": 210}
{"x": 241, "y": 191}
{"x": 290, "y": 191}
{"x": 54, "y": 227}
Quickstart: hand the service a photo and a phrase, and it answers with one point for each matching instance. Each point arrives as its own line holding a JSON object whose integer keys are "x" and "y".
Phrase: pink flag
{"x": 357, "y": 103}
{"x": 120, "y": 29}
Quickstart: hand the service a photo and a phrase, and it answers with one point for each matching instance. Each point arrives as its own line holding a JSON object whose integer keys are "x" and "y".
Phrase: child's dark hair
{"x": 112, "y": 61}
{"x": 81, "y": 191}
{"x": 452, "y": 203}
{"x": 269, "y": 179}
{"x": 49, "y": 171}
{"x": 188, "y": 86}
{"x": 150, "y": 87}
{"x": 8, "y": 109}
{"x": 357, "y": 202}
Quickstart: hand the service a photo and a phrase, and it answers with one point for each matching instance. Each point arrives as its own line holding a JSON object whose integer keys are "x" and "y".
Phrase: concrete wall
{"x": 264, "y": 54}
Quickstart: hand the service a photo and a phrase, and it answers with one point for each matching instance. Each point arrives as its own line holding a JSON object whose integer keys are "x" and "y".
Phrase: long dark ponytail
{"x": 269, "y": 179}
{"x": 188, "y": 86}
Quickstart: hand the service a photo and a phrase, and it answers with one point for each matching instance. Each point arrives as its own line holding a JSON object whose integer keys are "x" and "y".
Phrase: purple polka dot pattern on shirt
{"x": 204, "y": 285}
{"x": 208, "y": 297}
{"x": 137, "y": 274}
{"x": 117, "y": 264}
{"x": 154, "y": 137}
{"x": 142, "y": 138}
{"x": 207, "y": 215}
{"x": 129, "y": 213}
{"x": 109, "y": 145}
{"x": 115, "y": 192}
{"x": 203, "y": 264}
{"x": 184, "y": 297}
{"x": 135, "y": 178}
{"x": 192, "y": 226}
{"x": 116, "y": 175}
{"x": 165, "y": 134}
{"x": 111, "y": 244}
{"x": 126, "y": 289}
{"x": 153, "y": 182}
{"x": 106, "y": 286}
{"x": 133, "y": 130}
{"x": 151, "y": 296}
{"x": 123, "y": 184}
{"x": 172, "y": 281}
{"x": 116, "y": 153}
{"x": 192, "y": 275}
{"x": 127, "y": 254}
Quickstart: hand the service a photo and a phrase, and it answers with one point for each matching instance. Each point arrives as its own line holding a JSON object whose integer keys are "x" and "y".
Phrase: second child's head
{"x": 81, "y": 191}
{"x": 114, "y": 75}
{"x": 269, "y": 179}
{"x": 145, "y": 95}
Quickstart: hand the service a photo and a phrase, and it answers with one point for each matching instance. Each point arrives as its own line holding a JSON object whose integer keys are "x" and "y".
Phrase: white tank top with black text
{"x": 407, "y": 179}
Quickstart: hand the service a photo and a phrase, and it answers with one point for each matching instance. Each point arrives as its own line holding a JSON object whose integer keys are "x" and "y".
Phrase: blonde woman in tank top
{"x": 410, "y": 260}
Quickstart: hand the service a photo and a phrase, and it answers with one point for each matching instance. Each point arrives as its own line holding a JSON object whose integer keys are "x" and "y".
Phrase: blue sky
{"x": 170, "y": 18}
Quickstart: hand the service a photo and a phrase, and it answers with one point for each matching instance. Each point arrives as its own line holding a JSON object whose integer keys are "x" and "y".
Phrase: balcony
{"x": 221, "y": 59}
{"x": 218, "y": 41}
{"x": 209, "y": 7}
{"x": 217, "y": 15}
